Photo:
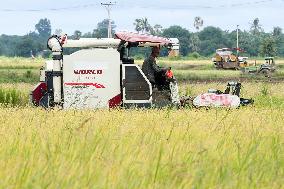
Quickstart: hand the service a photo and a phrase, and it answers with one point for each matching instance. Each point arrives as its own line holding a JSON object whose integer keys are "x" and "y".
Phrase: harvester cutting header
{"x": 102, "y": 75}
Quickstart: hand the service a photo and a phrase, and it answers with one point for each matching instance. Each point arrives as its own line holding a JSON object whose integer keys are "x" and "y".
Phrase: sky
{"x": 19, "y": 17}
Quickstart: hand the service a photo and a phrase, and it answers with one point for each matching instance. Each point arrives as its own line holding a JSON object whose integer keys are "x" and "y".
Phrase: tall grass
{"x": 13, "y": 97}
{"x": 146, "y": 148}
{"x": 142, "y": 148}
{"x": 264, "y": 94}
{"x": 19, "y": 76}
{"x": 20, "y": 63}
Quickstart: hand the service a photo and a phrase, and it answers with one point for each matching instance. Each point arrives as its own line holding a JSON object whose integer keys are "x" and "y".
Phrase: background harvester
{"x": 226, "y": 59}
{"x": 101, "y": 75}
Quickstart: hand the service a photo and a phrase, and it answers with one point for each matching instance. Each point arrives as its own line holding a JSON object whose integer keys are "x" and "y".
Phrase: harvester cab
{"x": 100, "y": 75}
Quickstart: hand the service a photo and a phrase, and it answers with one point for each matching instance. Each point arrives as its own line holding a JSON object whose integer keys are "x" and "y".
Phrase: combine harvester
{"x": 226, "y": 59}
{"x": 102, "y": 75}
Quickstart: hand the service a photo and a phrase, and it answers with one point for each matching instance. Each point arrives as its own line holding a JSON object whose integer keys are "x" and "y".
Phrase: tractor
{"x": 99, "y": 75}
{"x": 264, "y": 69}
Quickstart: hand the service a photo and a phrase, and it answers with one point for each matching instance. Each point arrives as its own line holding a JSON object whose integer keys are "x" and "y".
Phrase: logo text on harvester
{"x": 97, "y": 72}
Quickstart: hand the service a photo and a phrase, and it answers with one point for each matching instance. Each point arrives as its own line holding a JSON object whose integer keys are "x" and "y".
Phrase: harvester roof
{"x": 142, "y": 38}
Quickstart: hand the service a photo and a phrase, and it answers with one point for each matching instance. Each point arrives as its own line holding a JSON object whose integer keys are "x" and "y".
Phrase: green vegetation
{"x": 18, "y": 70}
{"x": 202, "y": 43}
{"x": 19, "y": 76}
{"x": 13, "y": 97}
{"x": 143, "y": 148}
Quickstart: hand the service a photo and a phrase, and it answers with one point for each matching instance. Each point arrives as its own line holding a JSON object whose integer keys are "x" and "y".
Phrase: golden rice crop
{"x": 167, "y": 148}
{"x": 20, "y": 62}
{"x": 249, "y": 89}
{"x": 146, "y": 148}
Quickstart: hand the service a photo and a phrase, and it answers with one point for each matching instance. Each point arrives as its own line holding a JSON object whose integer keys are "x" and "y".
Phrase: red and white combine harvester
{"x": 102, "y": 75}
{"x": 99, "y": 75}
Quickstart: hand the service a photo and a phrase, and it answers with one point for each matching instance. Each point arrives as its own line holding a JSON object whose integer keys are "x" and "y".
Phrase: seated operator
{"x": 157, "y": 75}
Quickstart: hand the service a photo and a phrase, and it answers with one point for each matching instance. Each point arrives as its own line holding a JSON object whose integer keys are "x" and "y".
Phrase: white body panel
{"x": 57, "y": 81}
{"x": 92, "y": 42}
{"x": 216, "y": 100}
{"x": 48, "y": 65}
{"x": 91, "y": 77}
{"x": 105, "y": 42}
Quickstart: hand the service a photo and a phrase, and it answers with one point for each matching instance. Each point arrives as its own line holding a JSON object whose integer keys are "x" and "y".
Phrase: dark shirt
{"x": 150, "y": 68}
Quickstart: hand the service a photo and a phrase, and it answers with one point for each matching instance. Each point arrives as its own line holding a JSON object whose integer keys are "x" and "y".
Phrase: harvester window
{"x": 136, "y": 87}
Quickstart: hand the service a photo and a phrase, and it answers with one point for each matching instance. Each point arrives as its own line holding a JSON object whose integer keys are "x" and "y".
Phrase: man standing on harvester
{"x": 161, "y": 78}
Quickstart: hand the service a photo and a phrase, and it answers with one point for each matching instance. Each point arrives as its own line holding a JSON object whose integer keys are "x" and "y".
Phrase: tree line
{"x": 203, "y": 41}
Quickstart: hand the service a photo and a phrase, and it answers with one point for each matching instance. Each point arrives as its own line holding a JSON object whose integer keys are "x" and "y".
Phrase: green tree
{"x": 157, "y": 30}
{"x": 102, "y": 29}
{"x": 43, "y": 27}
{"x": 27, "y": 44}
{"x": 279, "y": 40}
{"x": 77, "y": 34}
{"x": 255, "y": 27}
{"x": 268, "y": 47}
{"x": 87, "y": 35}
{"x": 138, "y": 25}
{"x": 212, "y": 38}
{"x": 58, "y": 32}
{"x": 277, "y": 31}
{"x": 247, "y": 42}
{"x": 195, "y": 42}
{"x": 142, "y": 25}
{"x": 9, "y": 44}
{"x": 2, "y": 52}
{"x": 183, "y": 36}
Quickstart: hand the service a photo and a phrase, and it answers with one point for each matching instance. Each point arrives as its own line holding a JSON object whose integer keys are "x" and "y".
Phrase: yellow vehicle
{"x": 243, "y": 62}
{"x": 226, "y": 59}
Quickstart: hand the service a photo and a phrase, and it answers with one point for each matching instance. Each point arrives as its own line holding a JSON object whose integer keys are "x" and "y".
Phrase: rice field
{"x": 240, "y": 148}
{"x": 143, "y": 148}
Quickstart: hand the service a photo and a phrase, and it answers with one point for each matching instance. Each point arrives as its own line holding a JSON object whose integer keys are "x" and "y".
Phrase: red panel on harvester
{"x": 38, "y": 92}
{"x": 115, "y": 101}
